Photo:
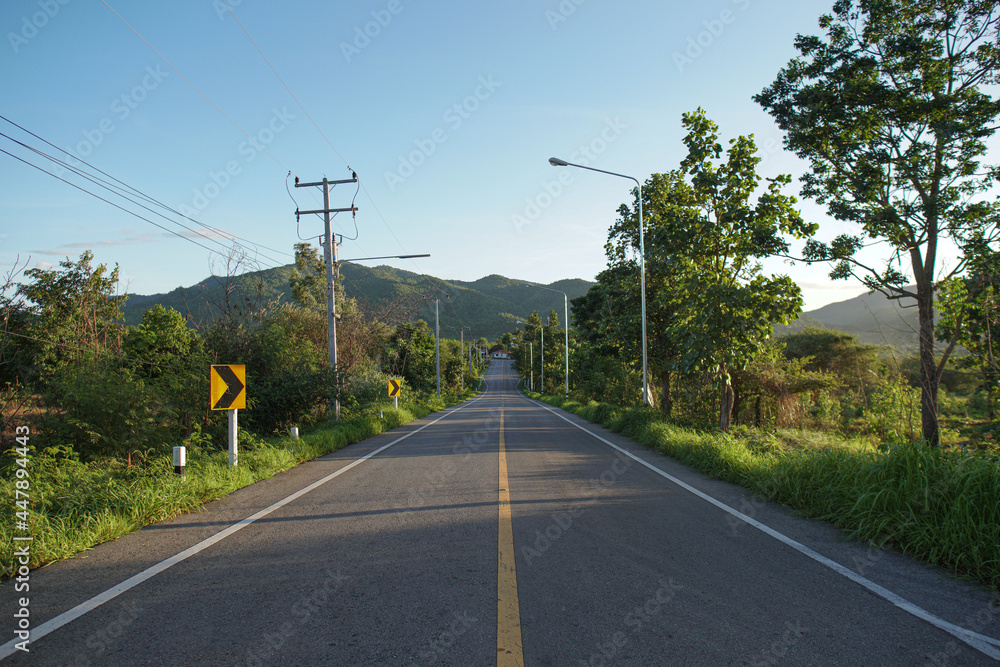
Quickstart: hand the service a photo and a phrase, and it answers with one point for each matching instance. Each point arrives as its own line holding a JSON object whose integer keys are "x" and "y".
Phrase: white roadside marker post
{"x": 180, "y": 459}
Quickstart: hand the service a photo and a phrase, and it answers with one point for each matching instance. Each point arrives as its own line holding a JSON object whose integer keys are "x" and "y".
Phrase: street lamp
{"x": 531, "y": 354}
{"x": 541, "y": 329}
{"x": 565, "y": 324}
{"x": 437, "y": 338}
{"x": 530, "y": 385}
{"x": 556, "y": 162}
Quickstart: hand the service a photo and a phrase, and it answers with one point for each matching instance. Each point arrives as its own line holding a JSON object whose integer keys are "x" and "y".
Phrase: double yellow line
{"x": 509, "y": 650}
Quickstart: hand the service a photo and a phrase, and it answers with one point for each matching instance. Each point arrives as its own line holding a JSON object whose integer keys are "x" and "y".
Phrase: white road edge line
{"x": 981, "y": 643}
{"x": 76, "y": 612}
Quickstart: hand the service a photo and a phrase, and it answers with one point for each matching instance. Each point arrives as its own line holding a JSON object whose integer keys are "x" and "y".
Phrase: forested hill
{"x": 873, "y": 318}
{"x": 484, "y": 307}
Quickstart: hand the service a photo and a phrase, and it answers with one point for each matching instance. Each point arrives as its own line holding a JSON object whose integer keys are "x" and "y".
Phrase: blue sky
{"x": 447, "y": 111}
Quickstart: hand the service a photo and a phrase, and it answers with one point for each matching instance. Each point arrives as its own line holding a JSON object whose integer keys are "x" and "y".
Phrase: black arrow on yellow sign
{"x": 228, "y": 385}
{"x": 395, "y": 388}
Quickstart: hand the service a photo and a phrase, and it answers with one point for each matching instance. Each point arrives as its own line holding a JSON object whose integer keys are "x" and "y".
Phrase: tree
{"x": 889, "y": 112}
{"x": 835, "y": 352}
{"x": 606, "y": 319}
{"x": 308, "y": 279}
{"x": 664, "y": 195}
{"x": 77, "y": 311}
{"x": 705, "y": 241}
{"x": 410, "y": 353}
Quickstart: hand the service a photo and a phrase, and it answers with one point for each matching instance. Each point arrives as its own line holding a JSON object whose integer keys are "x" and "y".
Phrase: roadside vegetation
{"x": 102, "y": 404}
{"x": 939, "y": 504}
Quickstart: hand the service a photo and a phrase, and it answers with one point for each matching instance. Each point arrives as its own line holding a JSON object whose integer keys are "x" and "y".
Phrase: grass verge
{"x": 75, "y": 505}
{"x": 940, "y": 505}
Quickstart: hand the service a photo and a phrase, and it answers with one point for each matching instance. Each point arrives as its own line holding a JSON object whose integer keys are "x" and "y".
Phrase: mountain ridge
{"x": 481, "y": 307}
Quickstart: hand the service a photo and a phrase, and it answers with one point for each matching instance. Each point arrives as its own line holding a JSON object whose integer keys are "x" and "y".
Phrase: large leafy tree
{"x": 712, "y": 304}
{"x": 891, "y": 113}
{"x": 76, "y": 310}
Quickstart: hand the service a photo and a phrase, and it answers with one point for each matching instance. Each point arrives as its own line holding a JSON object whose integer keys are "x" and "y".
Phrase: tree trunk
{"x": 930, "y": 378}
{"x": 726, "y": 410}
{"x": 667, "y": 404}
{"x": 737, "y": 402}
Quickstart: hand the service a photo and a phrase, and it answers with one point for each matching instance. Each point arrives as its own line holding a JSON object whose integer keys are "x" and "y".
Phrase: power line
{"x": 138, "y": 192}
{"x": 197, "y": 90}
{"x": 97, "y": 196}
{"x": 322, "y": 134}
{"x": 318, "y": 129}
{"x": 207, "y": 99}
{"x": 156, "y": 213}
{"x": 113, "y": 190}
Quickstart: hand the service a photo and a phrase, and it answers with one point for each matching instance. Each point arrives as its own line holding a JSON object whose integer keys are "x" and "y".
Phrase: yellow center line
{"x": 509, "y": 651}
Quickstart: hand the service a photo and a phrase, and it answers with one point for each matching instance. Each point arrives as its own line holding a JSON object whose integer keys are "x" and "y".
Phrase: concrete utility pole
{"x": 565, "y": 324}
{"x": 330, "y": 257}
{"x": 437, "y": 343}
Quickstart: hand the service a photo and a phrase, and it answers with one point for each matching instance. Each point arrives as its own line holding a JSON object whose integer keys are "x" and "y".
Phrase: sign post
{"x": 227, "y": 386}
{"x": 395, "y": 390}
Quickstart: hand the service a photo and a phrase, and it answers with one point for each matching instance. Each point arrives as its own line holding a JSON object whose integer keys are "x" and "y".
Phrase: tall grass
{"x": 76, "y": 505}
{"x": 940, "y": 505}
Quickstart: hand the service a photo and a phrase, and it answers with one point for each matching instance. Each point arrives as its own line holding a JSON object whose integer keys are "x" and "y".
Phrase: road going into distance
{"x": 498, "y": 532}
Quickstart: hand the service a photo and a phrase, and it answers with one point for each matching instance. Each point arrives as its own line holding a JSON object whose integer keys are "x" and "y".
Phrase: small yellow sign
{"x": 395, "y": 388}
{"x": 227, "y": 386}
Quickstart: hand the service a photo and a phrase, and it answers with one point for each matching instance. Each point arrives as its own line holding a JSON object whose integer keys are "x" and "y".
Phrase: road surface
{"x": 497, "y": 532}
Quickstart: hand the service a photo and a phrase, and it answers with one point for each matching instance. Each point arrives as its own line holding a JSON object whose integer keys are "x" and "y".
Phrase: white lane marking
{"x": 981, "y": 643}
{"x": 76, "y": 612}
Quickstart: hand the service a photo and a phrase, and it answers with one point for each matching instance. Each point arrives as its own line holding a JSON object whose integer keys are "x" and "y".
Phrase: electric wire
{"x": 114, "y": 190}
{"x": 297, "y": 228}
{"x": 361, "y": 185}
{"x": 97, "y": 196}
{"x": 322, "y": 134}
{"x": 197, "y": 90}
{"x": 137, "y": 192}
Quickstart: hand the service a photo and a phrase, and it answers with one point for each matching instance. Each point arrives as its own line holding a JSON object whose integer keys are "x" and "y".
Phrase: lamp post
{"x": 556, "y": 162}
{"x": 565, "y": 325}
{"x": 541, "y": 330}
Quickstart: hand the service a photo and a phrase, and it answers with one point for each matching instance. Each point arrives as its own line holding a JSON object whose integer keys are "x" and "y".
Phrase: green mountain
{"x": 487, "y": 307}
{"x": 484, "y": 308}
{"x": 873, "y": 318}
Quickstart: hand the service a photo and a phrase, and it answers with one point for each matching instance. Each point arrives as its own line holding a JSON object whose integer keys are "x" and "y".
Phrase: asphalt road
{"x": 498, "y": 531}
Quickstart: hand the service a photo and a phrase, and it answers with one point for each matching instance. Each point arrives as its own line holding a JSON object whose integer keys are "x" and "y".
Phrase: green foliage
{"x": 75, "y": 312}
{"x": 104, "y": 409}
{"x": 308, "y": 279}
{"x": 773, "y": 389}
{"x": 970, "y": 316}
{"x": 893, "y": 112}
{"x": 709, "y": 307}
{"x": 892, "y": 412}
{"x": 410, "y": 354}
